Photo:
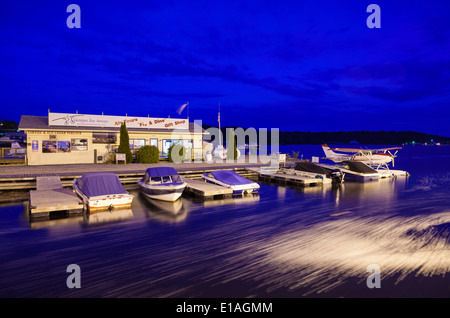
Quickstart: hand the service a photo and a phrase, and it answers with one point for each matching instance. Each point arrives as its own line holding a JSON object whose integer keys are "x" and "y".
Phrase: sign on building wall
{"x": 35, "y": 146}
{"x": 81, "y": 120}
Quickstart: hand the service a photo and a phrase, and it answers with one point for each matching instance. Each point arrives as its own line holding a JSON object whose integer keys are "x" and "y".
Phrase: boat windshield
{"x": 176, "y": 178}
{"x": 155, "y": 180}
{"x": 165, "y": 179}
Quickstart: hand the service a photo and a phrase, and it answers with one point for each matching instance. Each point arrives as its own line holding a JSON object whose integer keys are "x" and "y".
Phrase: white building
{"x": 61, "y": 138}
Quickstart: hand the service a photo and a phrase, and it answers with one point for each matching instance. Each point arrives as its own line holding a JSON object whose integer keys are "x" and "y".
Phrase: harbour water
{"x": 284, "y": 242}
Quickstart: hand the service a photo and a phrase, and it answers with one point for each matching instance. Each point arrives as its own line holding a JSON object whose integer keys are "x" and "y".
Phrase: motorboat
{"x": 102, "y": 190}
{"x": 162, "y": 183}
{"x": 231, "y": 179}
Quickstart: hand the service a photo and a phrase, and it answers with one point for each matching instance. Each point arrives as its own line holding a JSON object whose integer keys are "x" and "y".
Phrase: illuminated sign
{"x": 81, "y": 120}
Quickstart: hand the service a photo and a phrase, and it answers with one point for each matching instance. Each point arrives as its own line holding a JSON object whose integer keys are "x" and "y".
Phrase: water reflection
{"x": 235, "y": 200}
{"x": 55, "y": 219}
{"x": 163, "y": 210}
{"x": 106, "y": 216}
{"x": 286, "y": 241}
{"x": 85, "y": 218}
{"x": 323, "y": 257}
{"x": 379, "y": 192}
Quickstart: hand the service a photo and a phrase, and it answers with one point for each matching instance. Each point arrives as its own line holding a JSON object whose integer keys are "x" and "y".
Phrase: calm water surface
{"x": 285, "y": 242}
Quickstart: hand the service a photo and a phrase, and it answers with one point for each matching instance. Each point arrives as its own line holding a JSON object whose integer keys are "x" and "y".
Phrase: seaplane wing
{"x": 365, "y": 151}
{"x": 384, "y": 150}
{"x": 350, "y": 150}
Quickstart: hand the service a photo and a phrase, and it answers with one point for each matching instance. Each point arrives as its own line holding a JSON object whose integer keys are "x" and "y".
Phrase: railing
{"x": 13, "y": 156}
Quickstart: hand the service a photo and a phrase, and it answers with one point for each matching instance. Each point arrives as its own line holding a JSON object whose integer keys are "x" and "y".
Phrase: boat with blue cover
{"x": 162, "y": 183}
{"x": 102, "y": 190}
{"x": 231, "y": 179}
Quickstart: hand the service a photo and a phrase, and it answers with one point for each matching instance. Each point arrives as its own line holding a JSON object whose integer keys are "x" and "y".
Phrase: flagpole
{"x": 220, "y": 131}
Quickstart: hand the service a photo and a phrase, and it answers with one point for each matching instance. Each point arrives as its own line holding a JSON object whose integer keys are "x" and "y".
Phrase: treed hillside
{"x": 361, "y": 137}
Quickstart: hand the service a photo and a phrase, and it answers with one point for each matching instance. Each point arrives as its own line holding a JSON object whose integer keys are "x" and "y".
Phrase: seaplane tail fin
{"x": 328, "y": 152}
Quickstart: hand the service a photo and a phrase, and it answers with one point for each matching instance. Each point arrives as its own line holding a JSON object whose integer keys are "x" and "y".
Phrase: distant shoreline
{"x": 352, "y": 137}
{"x": 362, "y": 137}
{"x": 339, "y": 137}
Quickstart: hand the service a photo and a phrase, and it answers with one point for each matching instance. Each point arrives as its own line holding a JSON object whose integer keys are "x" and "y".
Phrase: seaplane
{"x": 376, "y": 158}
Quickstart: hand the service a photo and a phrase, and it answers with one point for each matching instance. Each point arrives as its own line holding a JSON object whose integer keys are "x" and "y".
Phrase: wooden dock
{"x": 30, "y": 178}
{"x": 24, "y": 178}
{"x": 206, "y": 190}
{"x": 50, "y": 196}
{"x": 287, "y": 179}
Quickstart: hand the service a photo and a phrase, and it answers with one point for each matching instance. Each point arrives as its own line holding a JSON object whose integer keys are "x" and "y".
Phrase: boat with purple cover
{"x": 162, "y": 183}
{"x": 102, "y": 190}
{"x": 231, "y": 179}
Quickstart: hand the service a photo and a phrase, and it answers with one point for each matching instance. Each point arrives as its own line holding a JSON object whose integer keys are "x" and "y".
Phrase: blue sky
{"x": 293, "y": 65}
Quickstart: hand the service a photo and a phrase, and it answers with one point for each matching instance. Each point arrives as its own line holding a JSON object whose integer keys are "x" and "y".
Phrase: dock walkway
{"x": 24, "y": 177}
{"x": 274, "y": 176}
{"x": 50, "y": 196}
{"x": 206, "y": 190}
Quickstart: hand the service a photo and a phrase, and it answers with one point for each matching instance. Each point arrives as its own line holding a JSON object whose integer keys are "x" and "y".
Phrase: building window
{"x": 167, "y": 143}
{"x": 137, "y": 143}
{"x": 154, "y": 142}
{"x": 104, "y": 138}
{"x": 187, "y": 143}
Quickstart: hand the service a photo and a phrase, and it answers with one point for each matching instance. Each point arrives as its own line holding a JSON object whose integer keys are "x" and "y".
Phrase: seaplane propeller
{"x": 394, "y": 155}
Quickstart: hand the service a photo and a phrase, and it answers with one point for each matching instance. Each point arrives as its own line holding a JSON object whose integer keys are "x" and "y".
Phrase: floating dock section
{"x": 50, "y": 196}
{"x": 206, "y": 190}
{"x": 360, "y": 172}
{"x": 355, "y": 171}
{"x": 272, "y": 175}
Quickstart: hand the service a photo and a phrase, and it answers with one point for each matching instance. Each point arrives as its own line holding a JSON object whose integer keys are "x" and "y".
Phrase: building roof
{"x": 28, "y": 122}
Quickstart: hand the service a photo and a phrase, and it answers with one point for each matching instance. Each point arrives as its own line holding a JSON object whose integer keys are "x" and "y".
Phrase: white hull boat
{"x": 230, "y": 179}
{"x": 162, "y": 183}
{"x": 102, "y": 191}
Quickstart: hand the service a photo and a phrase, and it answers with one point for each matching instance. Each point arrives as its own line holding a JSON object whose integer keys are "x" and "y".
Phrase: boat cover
{"x": 164, "y": 171}
{"x": 230, "y": 177}
{"x": 100, "y": 183}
